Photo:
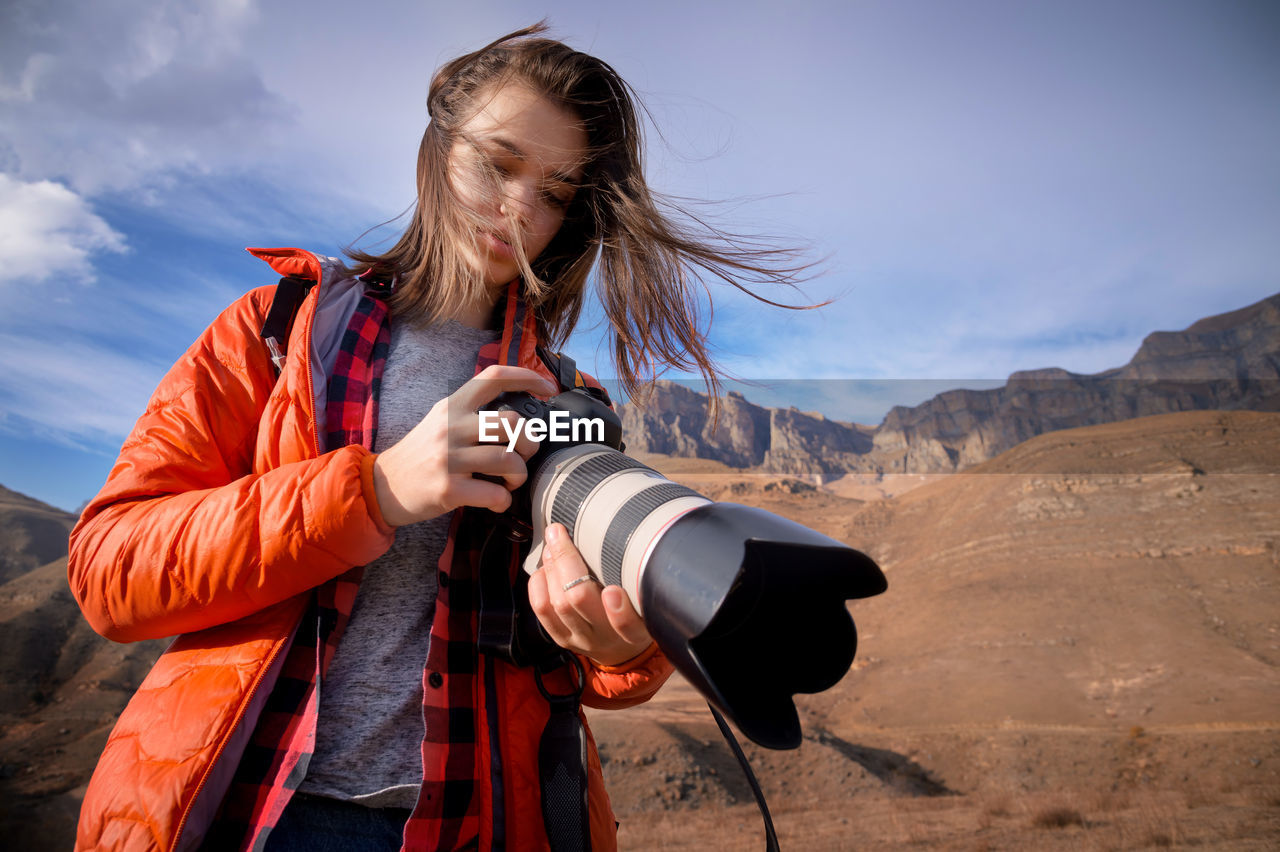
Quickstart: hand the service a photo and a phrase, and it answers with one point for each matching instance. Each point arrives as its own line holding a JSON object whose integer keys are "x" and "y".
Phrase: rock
{"x": 1229, "y": 361}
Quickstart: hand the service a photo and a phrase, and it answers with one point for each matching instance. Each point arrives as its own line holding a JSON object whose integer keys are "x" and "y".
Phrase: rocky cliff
{"x": 1225, "y": 362}
{"x": 673, "y": 420}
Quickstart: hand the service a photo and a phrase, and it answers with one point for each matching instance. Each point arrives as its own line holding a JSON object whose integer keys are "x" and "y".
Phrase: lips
{"x": 496, "y": 244}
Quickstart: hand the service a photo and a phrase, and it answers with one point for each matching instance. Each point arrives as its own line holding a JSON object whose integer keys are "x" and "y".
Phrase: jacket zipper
{"x": 313, "y": 423}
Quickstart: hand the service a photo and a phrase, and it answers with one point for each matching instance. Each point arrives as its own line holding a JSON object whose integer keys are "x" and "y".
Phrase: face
{"x": 535, "y": 150}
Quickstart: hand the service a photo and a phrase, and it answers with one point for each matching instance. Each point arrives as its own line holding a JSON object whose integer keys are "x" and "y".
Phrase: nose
{"x": 519, "y": 199}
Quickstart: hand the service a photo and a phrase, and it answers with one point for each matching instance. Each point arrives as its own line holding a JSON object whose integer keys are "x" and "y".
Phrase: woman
{"x": 247, "y": 510}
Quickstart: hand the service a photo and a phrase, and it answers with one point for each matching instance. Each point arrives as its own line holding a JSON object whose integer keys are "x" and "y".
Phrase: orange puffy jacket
{"x": 219, "y": 516}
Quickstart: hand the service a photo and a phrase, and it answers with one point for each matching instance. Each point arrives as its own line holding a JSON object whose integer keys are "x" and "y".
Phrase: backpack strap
{"x": 284, "y": 306}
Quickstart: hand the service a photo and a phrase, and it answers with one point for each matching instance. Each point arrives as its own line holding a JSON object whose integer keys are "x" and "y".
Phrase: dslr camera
{"x": 749, "y": 607}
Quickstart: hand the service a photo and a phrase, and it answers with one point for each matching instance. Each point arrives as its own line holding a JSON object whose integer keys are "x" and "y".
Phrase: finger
{"x": 580, "y": 602}
{"x": 540, "y": 603}
{"x": 513, "y": 424}
{"x": 469, "y": 427}
{"x": 465, "y": 491}
{"x": 566, "y": 562}
{"x": 623, "y": 617}
{"x": 486, "y": 427}
{"x": 500, "y": 378}
{"x": 492, "y": 461}
{"x": 525, "y": 446}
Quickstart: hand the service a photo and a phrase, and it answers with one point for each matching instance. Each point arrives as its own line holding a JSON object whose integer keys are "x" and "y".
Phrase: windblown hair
{"x": 647, "y": 249}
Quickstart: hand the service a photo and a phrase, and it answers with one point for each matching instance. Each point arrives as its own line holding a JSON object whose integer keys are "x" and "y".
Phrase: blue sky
{"x": 999, "y": 185}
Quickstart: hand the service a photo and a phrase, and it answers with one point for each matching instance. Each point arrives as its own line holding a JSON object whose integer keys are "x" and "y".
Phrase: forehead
{"x": 540, "y": 130}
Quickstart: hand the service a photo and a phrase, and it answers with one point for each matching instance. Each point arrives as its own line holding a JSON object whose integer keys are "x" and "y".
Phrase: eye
{"x": 495, "y": 166}
{"x": 490, "y": 163}
{"x": 560, "y": 201}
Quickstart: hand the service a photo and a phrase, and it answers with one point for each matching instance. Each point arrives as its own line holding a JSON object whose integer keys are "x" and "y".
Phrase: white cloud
{"x": 120, "y": 96}
{"x": 47, "y": 231}
{"x": 999, "y": 190}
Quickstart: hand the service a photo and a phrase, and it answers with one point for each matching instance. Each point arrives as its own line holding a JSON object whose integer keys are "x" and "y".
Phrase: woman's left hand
{"x": 598, "y": 623}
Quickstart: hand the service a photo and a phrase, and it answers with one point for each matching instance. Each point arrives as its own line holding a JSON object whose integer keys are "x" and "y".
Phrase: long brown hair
{"x": 646, "y": 248}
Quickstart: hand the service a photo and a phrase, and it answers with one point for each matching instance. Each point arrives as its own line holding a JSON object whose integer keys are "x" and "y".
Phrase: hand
{"x": 428, "y": 472}
{"x": 598, "y": 623}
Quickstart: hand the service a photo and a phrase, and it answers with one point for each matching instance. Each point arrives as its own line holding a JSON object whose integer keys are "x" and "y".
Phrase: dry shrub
{"x": 1263, "y": 795}
{"x": 1198, "y": 795}
{"x": 997, "y": 807}
{"x": 1114, "y": 800}
{"x": 1059, "y": 817}
{"x": 905, "y": 828}
{"x": 1230, "y": 784}
{"x": 1160, "y": 820}
{"x": 990, "y": 806}
{"x": 999, "y": 800}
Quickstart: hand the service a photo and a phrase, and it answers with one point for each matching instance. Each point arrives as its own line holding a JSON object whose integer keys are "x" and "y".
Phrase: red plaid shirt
{"x": 447, "y": 815}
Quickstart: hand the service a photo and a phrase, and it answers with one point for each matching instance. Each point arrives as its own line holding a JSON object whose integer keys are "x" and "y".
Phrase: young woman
{"x": 312, "y": 537}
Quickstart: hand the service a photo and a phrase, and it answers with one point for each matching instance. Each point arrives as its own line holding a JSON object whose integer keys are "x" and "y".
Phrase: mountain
{"x": 31, "y": 533}
{"x": 673, "y": 420}
{"x": 1225, "y": 362}
{"x": 61, "y": 685}
{"x": 1092, "y": 610}
{"x": 1083, "y": 625}
{"x": 1078, "y": 649}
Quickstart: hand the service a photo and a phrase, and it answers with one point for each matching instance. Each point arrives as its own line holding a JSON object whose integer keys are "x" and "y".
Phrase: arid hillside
{"x": 61, "y": 685}
{"x": 1078, "y": 649}
{"x": 31, "y": 534}
{"x": 1124, "y": 573}
{"x": 1088, "y": 624}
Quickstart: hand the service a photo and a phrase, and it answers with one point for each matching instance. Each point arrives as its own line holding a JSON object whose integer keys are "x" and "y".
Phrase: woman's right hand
{"x": 429, "y": 471}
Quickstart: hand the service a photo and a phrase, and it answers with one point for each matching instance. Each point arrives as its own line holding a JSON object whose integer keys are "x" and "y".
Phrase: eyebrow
{"x": 515, "y": 151}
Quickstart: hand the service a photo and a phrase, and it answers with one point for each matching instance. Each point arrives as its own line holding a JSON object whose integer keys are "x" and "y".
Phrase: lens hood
{"x": 750, "y": 608}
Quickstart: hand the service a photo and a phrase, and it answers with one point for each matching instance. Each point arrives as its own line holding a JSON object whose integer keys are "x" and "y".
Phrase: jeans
{"x": 319, "y": 824}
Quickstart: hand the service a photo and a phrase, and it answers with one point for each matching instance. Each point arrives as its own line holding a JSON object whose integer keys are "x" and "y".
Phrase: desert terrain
{"x": 1078, "y": 650}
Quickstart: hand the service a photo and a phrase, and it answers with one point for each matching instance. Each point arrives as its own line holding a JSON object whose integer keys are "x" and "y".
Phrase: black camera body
{"x": 584, "y": 405}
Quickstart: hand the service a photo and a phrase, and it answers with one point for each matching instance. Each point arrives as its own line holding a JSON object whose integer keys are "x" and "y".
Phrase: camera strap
{"x": 562, "y": 765}
{"x": 563, "y": 368}
{"x": 507, "y": 627}
{"x": 770, "y": 835}
{"x": 509, "y": 631}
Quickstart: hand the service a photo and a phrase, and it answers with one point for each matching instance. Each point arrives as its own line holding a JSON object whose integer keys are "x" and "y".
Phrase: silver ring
{"x": 585, "y": 578}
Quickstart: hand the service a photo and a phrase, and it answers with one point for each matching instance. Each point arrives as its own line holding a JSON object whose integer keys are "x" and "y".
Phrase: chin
{"x": 496, "y": 278}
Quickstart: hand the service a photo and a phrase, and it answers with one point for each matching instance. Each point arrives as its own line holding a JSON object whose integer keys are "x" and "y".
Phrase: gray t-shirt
{"x": 369, "y": 732}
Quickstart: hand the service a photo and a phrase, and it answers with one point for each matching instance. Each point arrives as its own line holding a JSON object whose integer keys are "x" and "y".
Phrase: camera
{"x": 750, "y": 607}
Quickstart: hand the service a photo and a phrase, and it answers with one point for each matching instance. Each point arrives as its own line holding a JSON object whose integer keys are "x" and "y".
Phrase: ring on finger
{"x": 585, "y": 578}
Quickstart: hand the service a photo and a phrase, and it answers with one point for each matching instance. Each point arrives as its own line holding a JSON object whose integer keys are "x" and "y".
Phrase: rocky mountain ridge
{"x": 1229, "y": 361}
